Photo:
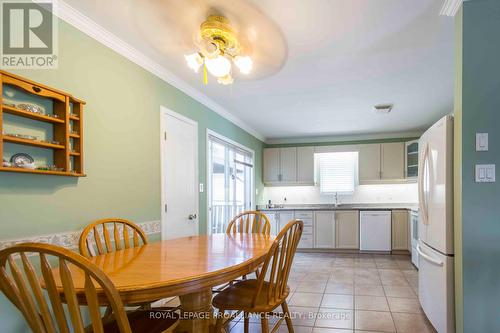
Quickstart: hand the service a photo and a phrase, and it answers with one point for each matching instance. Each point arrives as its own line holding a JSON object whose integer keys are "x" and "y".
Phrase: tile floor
{"x": 341, "y": 293}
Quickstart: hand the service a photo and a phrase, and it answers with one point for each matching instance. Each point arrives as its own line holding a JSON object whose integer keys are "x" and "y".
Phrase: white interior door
{"x": 179, "y": 170}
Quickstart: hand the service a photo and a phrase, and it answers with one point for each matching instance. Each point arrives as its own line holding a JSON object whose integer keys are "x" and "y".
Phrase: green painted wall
{"x": 480, "y": 202}
{"x": 457, "y": 174}
{"x": 121, "y": 149}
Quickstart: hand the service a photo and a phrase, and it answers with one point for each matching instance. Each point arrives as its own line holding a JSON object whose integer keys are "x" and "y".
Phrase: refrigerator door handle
{"x": 421, "y": 198}
{"x": 427, "y": 257}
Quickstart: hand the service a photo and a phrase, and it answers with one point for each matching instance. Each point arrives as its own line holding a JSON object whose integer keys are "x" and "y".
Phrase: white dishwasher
{"x": 375, "y": 230}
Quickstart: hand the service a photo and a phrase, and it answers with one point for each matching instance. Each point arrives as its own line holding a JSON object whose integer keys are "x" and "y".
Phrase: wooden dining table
{"x": 187, "y": 267}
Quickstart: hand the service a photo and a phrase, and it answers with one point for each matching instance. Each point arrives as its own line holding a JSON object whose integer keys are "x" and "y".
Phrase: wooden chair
{"x": 269, "y": 290}
{"x": 246, "y": 222}
{"x": 41, "y": 304}
{"x": 249, "y": 222}
{"x": 126, "y": 234}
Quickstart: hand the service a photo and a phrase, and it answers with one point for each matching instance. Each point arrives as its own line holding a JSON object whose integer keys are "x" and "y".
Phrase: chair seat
{"x": 156, "y": 320}
{"x": 239, "y": 296}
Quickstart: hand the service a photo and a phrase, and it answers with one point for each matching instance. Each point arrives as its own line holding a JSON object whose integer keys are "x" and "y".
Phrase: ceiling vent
{"x": 382, "y": 108}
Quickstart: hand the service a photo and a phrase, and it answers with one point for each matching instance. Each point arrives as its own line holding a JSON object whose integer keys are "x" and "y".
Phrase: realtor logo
{"x": 28, "y": 35}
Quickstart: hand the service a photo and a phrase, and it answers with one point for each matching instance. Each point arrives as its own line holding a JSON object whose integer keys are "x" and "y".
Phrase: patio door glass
{"x": 230, "y": 182}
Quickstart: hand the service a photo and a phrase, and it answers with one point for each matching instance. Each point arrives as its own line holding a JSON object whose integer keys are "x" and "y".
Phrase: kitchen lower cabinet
{"x": 324, "y": 230}
{"x": 307, "y": 239}
{"x": 347, "y": 229}
{"x": 284, "y": 218}
{"x": 400, "y": 230}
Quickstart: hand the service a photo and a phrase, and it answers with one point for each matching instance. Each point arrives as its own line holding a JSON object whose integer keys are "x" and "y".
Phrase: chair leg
{"x": 246, "y": 321}
{"x": 288, "y": 317}
{"x": 264, "y": 324}
{"x": 219, "y": 322}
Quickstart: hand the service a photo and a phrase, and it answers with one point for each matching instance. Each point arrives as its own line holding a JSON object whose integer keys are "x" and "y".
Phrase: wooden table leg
{"x": 196, "y": 312}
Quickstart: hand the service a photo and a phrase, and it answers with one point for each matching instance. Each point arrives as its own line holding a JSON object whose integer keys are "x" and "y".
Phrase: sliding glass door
{"x": 230, "y": 183}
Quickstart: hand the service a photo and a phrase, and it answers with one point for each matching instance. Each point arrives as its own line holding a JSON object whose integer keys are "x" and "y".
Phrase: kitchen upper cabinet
{"x": 381, "y": 163}
{"x": 324, "y": 230}
{"x": 288, "y": 165}
{"x": 393, "y": 160}
{"x": 271, "y": 165}
{"x": 305, "y": 165}
{"x": 369, "y": 163}
{"x": 347, "y": 229}
{"x": 400, "y": 230}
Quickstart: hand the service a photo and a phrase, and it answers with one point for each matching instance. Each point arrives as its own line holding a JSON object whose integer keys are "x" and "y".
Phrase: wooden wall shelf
{"x": 68, "y": 155}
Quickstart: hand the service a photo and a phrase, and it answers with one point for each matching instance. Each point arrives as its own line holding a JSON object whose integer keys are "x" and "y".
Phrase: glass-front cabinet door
{"x": 412, "y": 159}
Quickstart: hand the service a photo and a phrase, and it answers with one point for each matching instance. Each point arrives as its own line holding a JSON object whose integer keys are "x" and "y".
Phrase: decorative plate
{"x": 31, "y": 108}
{"x": 21, "y": 159}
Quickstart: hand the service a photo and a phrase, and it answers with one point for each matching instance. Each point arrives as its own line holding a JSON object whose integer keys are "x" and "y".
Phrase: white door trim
{"x": 237, "y": 144}
{"x": 164, "y": 112}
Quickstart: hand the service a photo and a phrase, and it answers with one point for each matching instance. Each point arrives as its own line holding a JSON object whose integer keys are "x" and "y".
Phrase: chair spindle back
{"x": 247, "y": 222}
{"x": 35, "y": 294}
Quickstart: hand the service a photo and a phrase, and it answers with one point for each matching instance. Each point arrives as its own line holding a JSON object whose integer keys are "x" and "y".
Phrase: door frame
{"x": 209, "y": 184}
{"x": 164, "y": 114}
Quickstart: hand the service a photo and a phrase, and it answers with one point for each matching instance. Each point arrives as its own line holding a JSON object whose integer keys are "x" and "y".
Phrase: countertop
{"x": 350, "y": 206}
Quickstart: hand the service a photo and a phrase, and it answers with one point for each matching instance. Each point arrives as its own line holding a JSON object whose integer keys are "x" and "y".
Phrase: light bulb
{"x": 245, "y": 64}
{"x": 194, "y": 61}
{"x": 225, "y": 80}
{"x": 219, "y": 66}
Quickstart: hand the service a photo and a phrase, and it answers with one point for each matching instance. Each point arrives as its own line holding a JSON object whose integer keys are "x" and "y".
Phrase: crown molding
{"x": 450, "y": 7}
{"x": 344, "y": 138}
{"x": 86, "y": 25}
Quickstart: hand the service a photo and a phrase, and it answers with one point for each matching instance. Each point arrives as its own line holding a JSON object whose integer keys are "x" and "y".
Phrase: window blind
{"x": 337, "y": 172}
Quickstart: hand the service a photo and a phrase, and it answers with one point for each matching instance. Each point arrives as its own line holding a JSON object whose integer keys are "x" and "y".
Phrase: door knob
{"x": 192, "y": 216}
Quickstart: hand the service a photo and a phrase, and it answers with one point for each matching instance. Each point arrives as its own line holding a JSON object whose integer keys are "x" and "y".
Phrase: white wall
{"x": 394, "y": 193}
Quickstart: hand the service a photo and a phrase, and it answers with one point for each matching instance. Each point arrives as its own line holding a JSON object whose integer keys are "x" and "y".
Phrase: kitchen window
{"x": 337, "y": 172}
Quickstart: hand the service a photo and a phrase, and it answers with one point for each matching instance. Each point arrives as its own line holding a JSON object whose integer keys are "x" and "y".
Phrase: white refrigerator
{"x": 435, "y": 227}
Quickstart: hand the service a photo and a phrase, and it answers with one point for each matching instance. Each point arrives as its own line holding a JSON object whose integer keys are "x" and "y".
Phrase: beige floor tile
{"x": 302, "y": 316}
{"x": 374, "y": 321}
{"x": 399, "y": 291}
{"x": 368, "y": 290}
{"x": 387, "y": 264}
{"x": 330, "y": 330}
{"x": 412, "y": 323}
{"x": 311, "y": 286}
{"x": 306, "y": 299}
{"x": 368, "y": 280}
{"x": 410, "y": 305}
{"x": 394, "y": 281}
{"x": 338, "y": 301}
{"x": 373, "y": 303}
{"x": 335, "y": 318}
{"x": 339, "y": 288}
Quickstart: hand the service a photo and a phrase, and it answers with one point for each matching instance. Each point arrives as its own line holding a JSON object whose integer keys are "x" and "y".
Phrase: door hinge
{"x": 166, "y": 208}
{"x": 165, "y": 136}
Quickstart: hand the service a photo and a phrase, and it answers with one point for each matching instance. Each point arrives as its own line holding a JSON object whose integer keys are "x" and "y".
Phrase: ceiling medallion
{"x": 219, "y": 48}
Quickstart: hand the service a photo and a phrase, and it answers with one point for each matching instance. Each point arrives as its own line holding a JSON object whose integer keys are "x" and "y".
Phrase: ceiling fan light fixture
{"x": 244, "y": 64}
{"x": 219, "y": 66}
{"x": 194, "y": 61}
{"x": 225, "y": 80}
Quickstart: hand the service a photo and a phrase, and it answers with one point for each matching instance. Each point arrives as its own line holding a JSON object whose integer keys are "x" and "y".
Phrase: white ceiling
{"x": 342, "y": 57}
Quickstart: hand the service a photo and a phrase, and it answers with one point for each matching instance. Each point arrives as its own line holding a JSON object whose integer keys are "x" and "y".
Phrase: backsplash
{"x": 386, "y": 193}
